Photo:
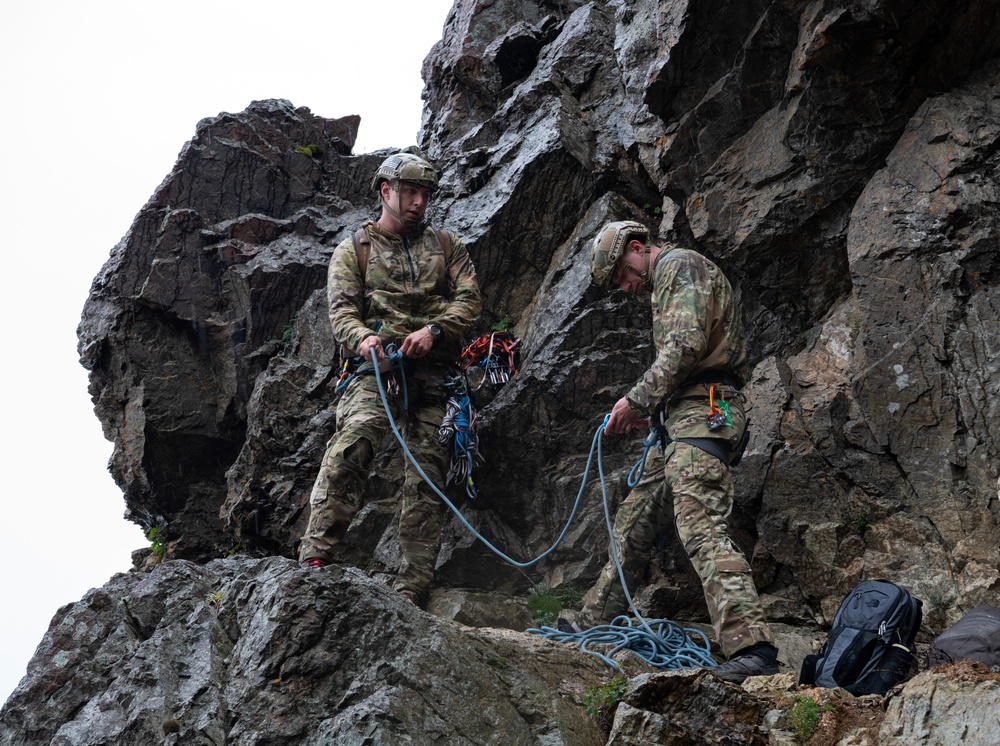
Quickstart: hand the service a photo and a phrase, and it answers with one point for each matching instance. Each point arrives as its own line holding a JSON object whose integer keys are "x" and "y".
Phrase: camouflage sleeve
{"x": 345, "y": 296}
{"x": 463, "y": 310}
{"x": 682, "y": 293}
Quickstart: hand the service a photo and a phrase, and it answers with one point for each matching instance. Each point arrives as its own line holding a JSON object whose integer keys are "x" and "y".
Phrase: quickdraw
{"x": 498, "y": 354}
{"x": 459, "y": 426}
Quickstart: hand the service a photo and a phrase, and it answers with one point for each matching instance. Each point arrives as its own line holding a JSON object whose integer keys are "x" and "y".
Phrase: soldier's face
{"x": 409, "y": 200}
{"x": 628, "y": 272}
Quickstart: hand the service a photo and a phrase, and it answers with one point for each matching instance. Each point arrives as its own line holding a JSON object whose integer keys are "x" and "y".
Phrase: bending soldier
{"x": 398, "y": 281}
{"x": 694, "y": 381}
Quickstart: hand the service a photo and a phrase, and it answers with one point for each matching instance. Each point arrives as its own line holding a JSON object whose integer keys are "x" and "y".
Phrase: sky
{"x": 98, "y": 99}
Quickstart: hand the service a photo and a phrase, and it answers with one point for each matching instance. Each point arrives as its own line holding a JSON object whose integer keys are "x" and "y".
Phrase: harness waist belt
{"x": 707, "y": 377}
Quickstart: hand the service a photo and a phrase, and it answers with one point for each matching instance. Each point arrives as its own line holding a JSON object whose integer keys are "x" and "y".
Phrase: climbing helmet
{"x": 609, "y": 245}
{"x": 406, "y": 167}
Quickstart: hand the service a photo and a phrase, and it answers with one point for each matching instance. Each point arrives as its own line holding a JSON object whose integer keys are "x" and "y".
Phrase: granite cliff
{"x": 837, "y": 158}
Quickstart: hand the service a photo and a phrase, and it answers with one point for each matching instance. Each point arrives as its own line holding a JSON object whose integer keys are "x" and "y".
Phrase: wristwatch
{"x": 435, "y": 329}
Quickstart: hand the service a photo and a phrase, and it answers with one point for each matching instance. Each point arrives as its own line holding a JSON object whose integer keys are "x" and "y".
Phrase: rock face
{"x": 261, "y": 651}
{"x": 838, "y": 159}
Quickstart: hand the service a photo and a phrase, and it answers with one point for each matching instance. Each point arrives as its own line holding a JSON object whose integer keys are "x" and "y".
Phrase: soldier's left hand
{"x": 417, "y": 344}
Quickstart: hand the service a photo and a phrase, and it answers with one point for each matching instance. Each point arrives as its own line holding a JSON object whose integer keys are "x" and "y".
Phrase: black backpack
{"x": 869, "y": 649}
{"x": 975, "y": 636}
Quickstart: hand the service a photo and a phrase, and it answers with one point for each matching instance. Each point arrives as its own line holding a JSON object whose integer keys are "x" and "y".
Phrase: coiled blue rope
{"x": 395, "y": 356}
{"x": 659, "y": 642}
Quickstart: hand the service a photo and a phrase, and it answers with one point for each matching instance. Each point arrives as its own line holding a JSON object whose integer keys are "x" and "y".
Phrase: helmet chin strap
{"x": 647, "y": 279}
{"x": 409, "y": 224}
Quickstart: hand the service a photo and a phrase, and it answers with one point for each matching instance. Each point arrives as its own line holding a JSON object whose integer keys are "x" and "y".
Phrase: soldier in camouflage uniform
{"x": 398, "y": 281}
{"x": 699, "y": 344}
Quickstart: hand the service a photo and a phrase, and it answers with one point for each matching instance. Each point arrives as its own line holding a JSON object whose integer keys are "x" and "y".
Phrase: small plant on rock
{"x": 214, "y": 598}
{"x": 544, "y": 605}
{"x": 601, "y": 701}
{"x": 503, "y": 324}
{"x": 569, "y": 595}
{"x": 861, "y": 519}
{"x": 157, "y": 546}
{"x": 805, "y": 716}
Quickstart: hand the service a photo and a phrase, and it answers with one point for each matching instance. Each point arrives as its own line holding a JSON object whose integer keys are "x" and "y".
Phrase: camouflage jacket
{"x": 408, "y": 284}
{"x": 696, "y": 327}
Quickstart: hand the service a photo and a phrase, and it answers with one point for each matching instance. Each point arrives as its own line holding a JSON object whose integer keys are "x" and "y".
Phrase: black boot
{"x": 757, "y": 660}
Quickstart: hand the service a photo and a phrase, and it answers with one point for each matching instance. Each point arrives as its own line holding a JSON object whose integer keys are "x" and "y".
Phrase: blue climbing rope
{"x": 395, "y": 356}
{"x": 459, "y": 426}
{"x": 635, "y": 474}
{"x": 659, "y": 642}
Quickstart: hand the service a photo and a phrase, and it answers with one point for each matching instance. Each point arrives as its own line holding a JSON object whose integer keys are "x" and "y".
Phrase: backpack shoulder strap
{"x": 362, "y": 247}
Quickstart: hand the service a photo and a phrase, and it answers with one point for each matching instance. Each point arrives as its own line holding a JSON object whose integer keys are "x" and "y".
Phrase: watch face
{"x": 435, "y": 329}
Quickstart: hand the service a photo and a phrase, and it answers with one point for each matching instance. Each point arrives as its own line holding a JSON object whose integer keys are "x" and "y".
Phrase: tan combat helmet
{"x": 608, "y": 247}
{"x": 406, "y": 167}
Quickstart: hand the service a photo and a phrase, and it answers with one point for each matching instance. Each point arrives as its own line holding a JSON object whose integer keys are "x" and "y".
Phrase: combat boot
{"x": 757, "y": 660}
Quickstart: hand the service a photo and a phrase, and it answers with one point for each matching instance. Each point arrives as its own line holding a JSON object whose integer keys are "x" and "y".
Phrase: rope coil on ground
{"x": 659, "y": 642}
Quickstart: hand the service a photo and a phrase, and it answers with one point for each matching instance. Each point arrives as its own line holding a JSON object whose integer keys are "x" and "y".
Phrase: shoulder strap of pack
{"x": 362, "y": 246}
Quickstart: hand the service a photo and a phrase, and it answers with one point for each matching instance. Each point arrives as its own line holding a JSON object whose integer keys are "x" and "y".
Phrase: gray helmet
{"x": 406, "y": 167}
{"x": 609, "y": 245}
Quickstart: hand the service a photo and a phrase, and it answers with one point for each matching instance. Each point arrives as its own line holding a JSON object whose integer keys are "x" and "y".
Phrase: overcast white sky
{"x": 98, "y": 98}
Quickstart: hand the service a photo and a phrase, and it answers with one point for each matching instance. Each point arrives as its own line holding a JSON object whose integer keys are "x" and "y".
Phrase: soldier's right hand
{"x": 369, "y": 343}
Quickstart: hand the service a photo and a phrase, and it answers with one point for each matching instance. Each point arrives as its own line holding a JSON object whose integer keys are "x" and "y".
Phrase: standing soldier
{"x": 700, "y": 365}
{"x": 398, "y": 281}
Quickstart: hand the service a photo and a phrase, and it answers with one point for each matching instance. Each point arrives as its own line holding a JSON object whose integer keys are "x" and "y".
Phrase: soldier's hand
{"x": 369, "y": 343}
{"x": 623, "y": 419}
{"x": 418, "y": 343}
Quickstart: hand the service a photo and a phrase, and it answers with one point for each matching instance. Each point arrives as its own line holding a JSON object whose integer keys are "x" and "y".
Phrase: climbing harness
{"x": 719, "y": 415}
{"x": 459, "y": 428}
{"x": 660, "y": 642}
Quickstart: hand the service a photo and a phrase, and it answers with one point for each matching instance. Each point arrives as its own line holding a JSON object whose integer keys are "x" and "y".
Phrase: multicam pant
{"x": 361, "y": 426}
{"x": 701, "y": 489}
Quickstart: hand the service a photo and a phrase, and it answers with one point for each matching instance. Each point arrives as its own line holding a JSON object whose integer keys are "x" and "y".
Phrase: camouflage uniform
{"x": 696, "y": 329}
{"x": 408, "y": 283}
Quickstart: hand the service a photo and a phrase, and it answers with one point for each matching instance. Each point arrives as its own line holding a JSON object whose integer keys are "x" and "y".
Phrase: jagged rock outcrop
{"x": 837, "y": 158}
{"x": 249, "y": 652}
{"x": 261, "y": 651}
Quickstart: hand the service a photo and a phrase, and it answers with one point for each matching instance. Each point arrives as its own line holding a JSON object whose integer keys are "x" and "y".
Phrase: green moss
{"x": 312, "y": 150}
